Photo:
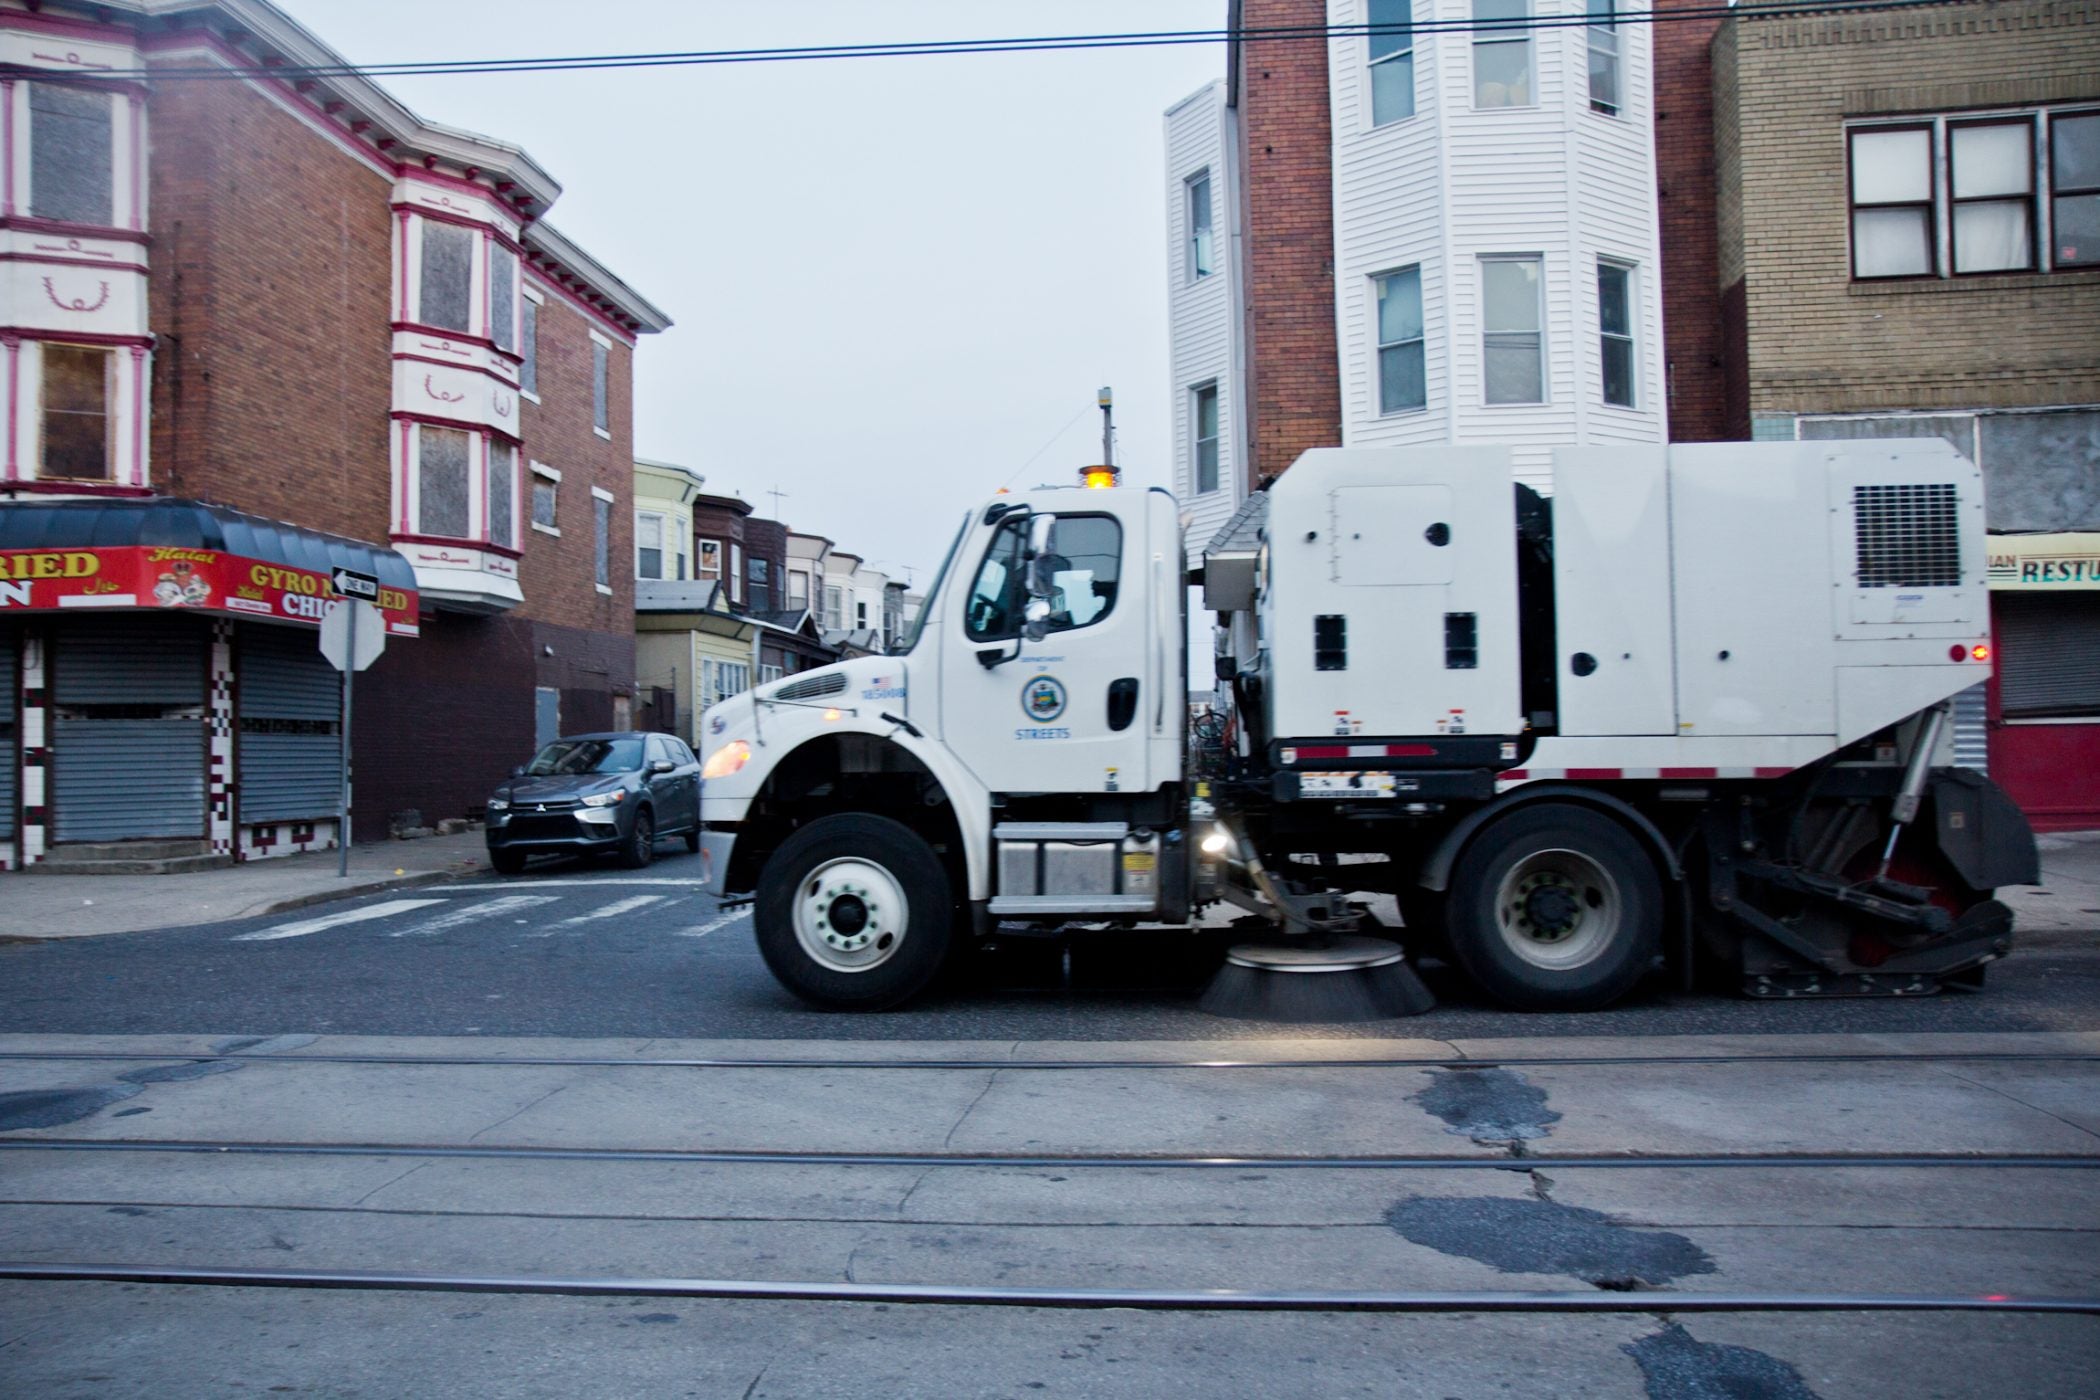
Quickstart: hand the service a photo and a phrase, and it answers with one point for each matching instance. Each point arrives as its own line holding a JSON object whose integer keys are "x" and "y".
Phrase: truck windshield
{"x": 918, "y": 623}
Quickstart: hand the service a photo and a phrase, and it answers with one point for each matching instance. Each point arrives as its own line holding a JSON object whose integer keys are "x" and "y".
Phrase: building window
{"x": 78, "y": 407}
{"x": 503, "y": 493}
{"x": 1403, "y": 384}
{"x": 448, "y": 277}
{"x": 768, "y": 674}
{"x": 735, "y": 575}
{"x": 1203, "y": 430}
{"x": 679, "y": 553}
{"x": 710, "y": 559}
{"x": 761, "y": 579}
{"x": 601, "y": 511}
{"x": 798, "y": 589}
{"x": 601, "y": 418}
{"x": 546, "y": 483}
{"x": 1199, "y": 226}
{"x": 70, "y": 162}
{"x": 1512, "y": 345}
{"x": 834, "y": 609}
{"x": 1892, "y": 202}
{"x": 503, "y": 297}
{"x": 1502, "y": 53}
{"x": 529, "y": 347}
{"x": 444, "y": 471}
{"x": 860, "y": 614}
{"x": 1615, "y": 331}
{"x": 2074, "y": 165}
{"x": 1392, "y": 51}
{"x": 648, "y": 544}
{"x": 1604, "y": 56}
{"x": 1991, "y": 170}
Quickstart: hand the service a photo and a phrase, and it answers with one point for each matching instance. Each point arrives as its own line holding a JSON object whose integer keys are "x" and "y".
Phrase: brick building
{"x": 1887, "y": 224}
{"x": 258, "y": 327}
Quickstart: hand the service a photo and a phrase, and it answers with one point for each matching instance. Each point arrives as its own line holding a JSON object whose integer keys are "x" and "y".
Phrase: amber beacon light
{"x": 1100, "y": 478}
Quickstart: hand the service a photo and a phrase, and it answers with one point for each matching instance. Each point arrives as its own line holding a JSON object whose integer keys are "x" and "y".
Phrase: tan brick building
{"x": 261, "y": 321}
{"x": 1905, "y": 241}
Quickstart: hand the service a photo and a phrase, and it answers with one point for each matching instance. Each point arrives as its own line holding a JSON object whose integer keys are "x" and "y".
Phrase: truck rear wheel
{"x": 854, "y": 913}
{"x": 1555, "y": 908}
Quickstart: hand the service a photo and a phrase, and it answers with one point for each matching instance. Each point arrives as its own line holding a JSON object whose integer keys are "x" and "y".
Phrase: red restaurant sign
{"x": 162, "y": 576}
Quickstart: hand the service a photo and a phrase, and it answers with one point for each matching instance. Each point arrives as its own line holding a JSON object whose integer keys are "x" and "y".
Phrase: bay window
{"x": 1402, "y": 374}
{"x": 77, "y": 411}
{"x": 529, "y": 346}
{"x": 71, "y": 166}
{"x": 444, "y": 468}
{"x": 1502, "y": 53}
{"x": 447, "y": 297}
{"x": 1200, "y": 245}
{"x": 1604, "y": 56}
{"x": 1203, "y": 428}
{"x": 503, "y": 494}
{"x": 1512, "y": 341}
{"x": 503, "y": 297}
{"x": 1392, "y": 55}
{"x": 648, "y": 544}
{"x": 1615, "y": 331}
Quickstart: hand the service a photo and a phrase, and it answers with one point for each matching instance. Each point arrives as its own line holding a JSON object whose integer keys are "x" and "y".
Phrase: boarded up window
{"x": 600, "y": 407}
{"x": 69, "y": 154}
{"x": 448, "y": 275}
{"x": 503, "y": 297}
{"x": 529, "y": 347}
{"x": 603, "y": 509}
{"x": 503, "y": 494}
{"x": 76, "y": 413}
{"x": 443, "y": 509}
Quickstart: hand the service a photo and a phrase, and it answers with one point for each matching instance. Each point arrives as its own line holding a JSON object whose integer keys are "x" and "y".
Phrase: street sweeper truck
{"x": 1689, "y": 711}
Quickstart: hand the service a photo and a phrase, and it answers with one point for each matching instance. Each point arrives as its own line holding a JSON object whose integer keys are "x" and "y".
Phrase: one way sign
{"x": 351, "y": 584}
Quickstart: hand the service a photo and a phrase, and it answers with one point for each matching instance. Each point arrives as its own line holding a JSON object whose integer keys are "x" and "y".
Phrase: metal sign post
{"x": 350, "y": 652}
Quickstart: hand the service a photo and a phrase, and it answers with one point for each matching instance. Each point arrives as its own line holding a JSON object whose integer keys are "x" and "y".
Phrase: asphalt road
{"x": 582, "y": 950}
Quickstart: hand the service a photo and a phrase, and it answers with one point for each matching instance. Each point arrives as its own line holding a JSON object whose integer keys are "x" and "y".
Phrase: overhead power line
{"x": 936, "y": 48}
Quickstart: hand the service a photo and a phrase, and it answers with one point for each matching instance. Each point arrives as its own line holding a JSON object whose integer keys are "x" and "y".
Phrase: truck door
{"x": 1066, "y": 713}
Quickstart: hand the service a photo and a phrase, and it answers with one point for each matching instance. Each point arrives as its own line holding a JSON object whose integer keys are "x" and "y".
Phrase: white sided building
{"x": 1204, "y": 310}
{"x": 1494, "y": 276}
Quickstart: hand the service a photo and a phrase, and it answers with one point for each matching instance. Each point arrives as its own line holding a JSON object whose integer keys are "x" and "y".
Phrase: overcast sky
{"x": 894, "y": 280}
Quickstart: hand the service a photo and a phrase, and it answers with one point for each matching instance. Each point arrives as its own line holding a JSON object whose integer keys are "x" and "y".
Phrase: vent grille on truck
{"x": 1907, "y": 536}
{"x": 811, "y": 689}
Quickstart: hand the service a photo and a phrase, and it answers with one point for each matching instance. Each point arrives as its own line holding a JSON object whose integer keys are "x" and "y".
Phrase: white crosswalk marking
{"x": 529, "y": 882}
{"x": 467, "y": 913}
{"x": 612, "y": 910}
{"x": 383, "y": 910}
{"x": 715, "y": 925}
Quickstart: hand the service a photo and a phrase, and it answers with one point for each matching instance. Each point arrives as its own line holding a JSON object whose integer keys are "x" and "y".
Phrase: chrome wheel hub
{"x": 1558, "y": 909}
{"x": 851, "y": 915}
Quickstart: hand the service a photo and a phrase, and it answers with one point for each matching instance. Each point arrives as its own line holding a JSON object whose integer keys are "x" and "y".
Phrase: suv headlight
{"x": 727, "y": 759}
{"x": 605, "y": 799}
{"x": 499, "y": 804}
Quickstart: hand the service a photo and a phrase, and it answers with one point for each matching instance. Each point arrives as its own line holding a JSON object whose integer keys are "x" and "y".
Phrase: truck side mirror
{"x": 1040, "y": 578}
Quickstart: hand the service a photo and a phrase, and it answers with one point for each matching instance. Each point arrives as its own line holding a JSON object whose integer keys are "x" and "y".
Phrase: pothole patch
{"x": 1531, "y": 1236}
{"x": 1487, "y": 1105}
{"x": 50, "y": 1108}
{"x": 1678, "y": 1366}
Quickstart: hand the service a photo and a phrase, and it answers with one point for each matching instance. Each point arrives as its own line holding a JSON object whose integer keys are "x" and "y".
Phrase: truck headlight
{"x": 605, "y": 799}
{"x": 727, "y": 759}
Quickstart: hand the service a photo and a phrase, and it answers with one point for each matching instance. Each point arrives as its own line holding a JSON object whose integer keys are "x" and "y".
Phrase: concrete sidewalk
{"x": 36, "y": 905}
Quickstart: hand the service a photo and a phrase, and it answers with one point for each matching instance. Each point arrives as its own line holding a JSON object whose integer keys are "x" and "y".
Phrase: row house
{"x": 258, "y": 328}
{"x": 1888, "y": 225}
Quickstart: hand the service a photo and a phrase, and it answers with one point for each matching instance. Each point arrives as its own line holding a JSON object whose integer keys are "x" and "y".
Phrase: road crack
{"x": 949, "y": 1140}
{"x": 525, "y": 1108}
{"x": 2008, "y": 1094}
{"x": 391, "y": 1181}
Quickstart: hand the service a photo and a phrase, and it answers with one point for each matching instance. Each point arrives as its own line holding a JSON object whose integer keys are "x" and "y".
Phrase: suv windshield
{"x": 565, "y": 756}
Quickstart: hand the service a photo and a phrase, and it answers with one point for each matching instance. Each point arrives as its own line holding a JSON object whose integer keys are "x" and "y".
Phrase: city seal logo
{"x": 1043, "y": 698}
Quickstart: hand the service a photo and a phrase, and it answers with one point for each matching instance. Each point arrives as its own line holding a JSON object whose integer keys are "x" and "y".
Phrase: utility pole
{"x": 1107, "y": 399}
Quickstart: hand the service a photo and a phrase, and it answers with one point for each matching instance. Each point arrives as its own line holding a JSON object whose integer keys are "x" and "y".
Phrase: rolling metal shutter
{"x": 128, "y": 751}
{"x": 291, "y": 744}
{"x": 2049, "y": 654}
{"x": 10, "y": 731}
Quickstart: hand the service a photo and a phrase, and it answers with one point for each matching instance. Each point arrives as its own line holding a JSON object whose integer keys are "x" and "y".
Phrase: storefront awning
{"x": 167, "y": 553}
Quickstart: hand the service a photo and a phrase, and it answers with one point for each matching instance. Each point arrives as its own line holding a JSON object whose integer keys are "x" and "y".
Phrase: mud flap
{"x": 1983, "y": 835}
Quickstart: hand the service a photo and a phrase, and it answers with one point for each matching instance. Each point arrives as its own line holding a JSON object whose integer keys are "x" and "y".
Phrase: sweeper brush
{"x": 1316, "y": 978}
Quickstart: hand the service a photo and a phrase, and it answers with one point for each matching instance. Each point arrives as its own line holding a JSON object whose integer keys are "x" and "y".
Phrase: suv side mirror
{"x": 663, "y": 765}
{"x": 517, "y": 770}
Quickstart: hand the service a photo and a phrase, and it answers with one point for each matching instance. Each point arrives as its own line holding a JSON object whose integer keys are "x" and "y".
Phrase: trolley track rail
{"x": 1658, "y": 1301}
{"x": 1089, "y": 1161}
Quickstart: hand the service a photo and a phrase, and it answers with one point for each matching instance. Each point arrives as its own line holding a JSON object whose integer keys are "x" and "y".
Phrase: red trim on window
{"x": 7, "y": 147}
{"x": 138, "y": 163}
{"x": 432, "y": 420}
{"x": 482, "y": 370}
{"x": 29, "y": 223}
{"x": 57, "y": 486}
{"x": 138, "y": 415}
{"x": 79, "y": 337}
{"x": 447, "y": 216}
{"x": 424, "y": 176}
{"x": 468, "y": 541}
{"x": 407, "y": 466}
{"x": 488, "y": 284}
{"x": 403, "y": 220}
{"x": 50, "y": 261}
{"x": 13, "y": 346}
{"x": 463, "y": 337}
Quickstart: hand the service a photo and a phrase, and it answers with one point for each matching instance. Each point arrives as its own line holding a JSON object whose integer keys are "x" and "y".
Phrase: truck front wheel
{"x": 1555, "y": 908}
{"x": 854, "y": 913}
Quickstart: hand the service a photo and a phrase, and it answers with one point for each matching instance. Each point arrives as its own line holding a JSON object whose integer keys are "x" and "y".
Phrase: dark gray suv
{"x": 612, "y": 793}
